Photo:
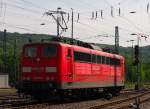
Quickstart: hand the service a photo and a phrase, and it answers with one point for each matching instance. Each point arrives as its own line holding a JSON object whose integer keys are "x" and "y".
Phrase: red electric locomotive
{"x": 58, "y": 68}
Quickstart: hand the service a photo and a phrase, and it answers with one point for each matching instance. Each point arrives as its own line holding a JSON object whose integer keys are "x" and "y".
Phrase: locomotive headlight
{"x": 28, "y": 78}
{"x": 47, "y": 78}
{"x": 26, "y": 69}
{"x": 50, "y": 69}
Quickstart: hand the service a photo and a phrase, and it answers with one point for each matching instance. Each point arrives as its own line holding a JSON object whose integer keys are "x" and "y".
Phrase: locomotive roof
{"x": 79, "y": 48}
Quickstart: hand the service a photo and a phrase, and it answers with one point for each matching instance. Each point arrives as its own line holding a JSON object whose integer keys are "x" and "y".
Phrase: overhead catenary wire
{"x": 25, "y": 9}
{"x": 30, "y": 3}
{"x": 81, "y": 18}
{"x": 1, "y": 7}
{"x": 28, "y": 17}
{"x": 129, "y": 31}
{"x": 93, "y": 28}
{"x": 30, "y": 9}
{"x": 4, "y": 15}
{"x": 130, "y": 22}
{"x": 18, "y": 27}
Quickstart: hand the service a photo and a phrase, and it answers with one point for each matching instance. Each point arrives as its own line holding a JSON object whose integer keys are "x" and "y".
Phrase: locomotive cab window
{"x": 30, "y": 52}
{"x": 49, "y": 51}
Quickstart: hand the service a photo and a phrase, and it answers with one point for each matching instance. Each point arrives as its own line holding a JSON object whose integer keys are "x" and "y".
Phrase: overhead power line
{"x": 35, "y": 5}
{"x": 25, "y": 9}
{"x": 59, "y": 14}
{"x": 28, "y": 17}
{"x": 107, "y": 3}
{"x": 18, "y": 27}
{"x": 1, "y": 8}
{"x": 132, "y": 23}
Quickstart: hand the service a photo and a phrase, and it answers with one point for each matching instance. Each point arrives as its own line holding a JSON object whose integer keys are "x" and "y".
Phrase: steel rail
{"x": 102, "y": 106}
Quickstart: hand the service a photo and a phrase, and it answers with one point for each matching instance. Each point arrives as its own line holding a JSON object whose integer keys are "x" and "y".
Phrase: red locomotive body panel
{"x": 39, "y": 67}
{"x": 92, "y": 74}
{"x": 71, "y": 66}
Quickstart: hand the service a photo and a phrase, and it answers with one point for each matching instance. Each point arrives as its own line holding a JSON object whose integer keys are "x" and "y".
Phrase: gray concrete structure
{"x": 4, "y": 81}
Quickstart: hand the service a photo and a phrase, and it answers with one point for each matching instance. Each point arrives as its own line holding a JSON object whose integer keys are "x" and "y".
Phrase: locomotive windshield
{"x": 49, "y": 51}
{"x": 30, "y": 52}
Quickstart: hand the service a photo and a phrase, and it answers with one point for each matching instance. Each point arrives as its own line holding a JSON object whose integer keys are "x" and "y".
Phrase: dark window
{"x": 117, "y": 62}
{"x": 69, "y": 53}
{"x": 103, "y": 60}
{"x": 30, "y": 52}
{"x": 111, "y": 61}
{"x": 93, "y": 58}
{"x": 80, "y": 56}
{"x": 114, "y": 61}
{"x": 99, "y": 59}
{"x": 107, "y": 60}
{"x": 50, "y": 51}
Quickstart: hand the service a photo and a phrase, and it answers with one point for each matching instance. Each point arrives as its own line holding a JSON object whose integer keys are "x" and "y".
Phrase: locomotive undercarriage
{"x": 31, "y": 88}
{"x": 43, "y": 90}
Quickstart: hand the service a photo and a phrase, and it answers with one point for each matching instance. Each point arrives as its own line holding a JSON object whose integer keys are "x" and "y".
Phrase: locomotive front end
{"x": 39, "y": 68}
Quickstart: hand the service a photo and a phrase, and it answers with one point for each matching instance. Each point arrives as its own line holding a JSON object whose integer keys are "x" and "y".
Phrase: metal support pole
{"x": 4, "y": 51}
{"x": 132, "y": 55}
{"x": 138, "y": 73}
{"x": 58, "y": 18}
{"x": 72, "y": 27}
{"x": 116, "y": 40}
{"x": 137, "y": 64}
{"x": 132, "y": 49}
{"x": 15, "y": 64}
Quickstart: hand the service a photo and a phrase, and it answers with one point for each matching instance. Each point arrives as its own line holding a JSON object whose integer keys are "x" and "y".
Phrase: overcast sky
{"x": 25, "y": 16}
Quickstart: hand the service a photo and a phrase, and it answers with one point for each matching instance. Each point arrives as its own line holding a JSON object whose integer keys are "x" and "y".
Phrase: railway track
{"x": 11, "y": 100}
{"x": 18, "y": 103}
{"x": 132, "y": 102}
{"x": 28, "y": 103}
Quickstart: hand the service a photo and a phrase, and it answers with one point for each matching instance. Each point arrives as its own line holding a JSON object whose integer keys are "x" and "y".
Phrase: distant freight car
{"x": 56, "y": 68}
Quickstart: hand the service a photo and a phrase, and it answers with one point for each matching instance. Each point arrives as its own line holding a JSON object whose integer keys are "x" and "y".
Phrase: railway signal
{"x": 136, "y": 51}
{"x": 136, "y": 55}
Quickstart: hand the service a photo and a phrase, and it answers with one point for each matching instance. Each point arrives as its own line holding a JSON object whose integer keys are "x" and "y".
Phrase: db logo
{"x": 38, "y": 59}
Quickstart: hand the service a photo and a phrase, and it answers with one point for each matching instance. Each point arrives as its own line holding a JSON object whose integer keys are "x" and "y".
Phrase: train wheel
{"x": 107, "y": 93}
{"x": 108, "y": 96}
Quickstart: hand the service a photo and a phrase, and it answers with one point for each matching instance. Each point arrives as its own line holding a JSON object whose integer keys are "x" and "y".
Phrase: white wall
{"x": 4, "y": 81}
